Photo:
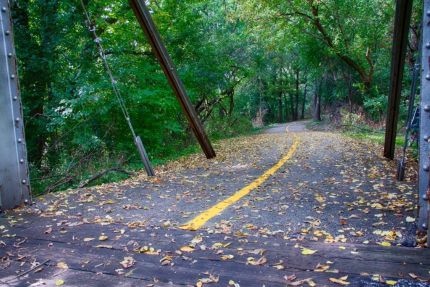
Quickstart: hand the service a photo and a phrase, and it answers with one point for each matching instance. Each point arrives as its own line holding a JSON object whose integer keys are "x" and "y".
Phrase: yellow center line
{"x": 205, "y": 216}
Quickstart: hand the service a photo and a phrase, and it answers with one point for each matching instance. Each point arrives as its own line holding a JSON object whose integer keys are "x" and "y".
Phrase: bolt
{"x": 425, "y": 197}
{"x": 17, "y": 120}
{"x": 427, "y": 108}
{"x": 7, "y": 32}
{"x": 428, "y": 77}
{"x": 428, "y": 12}
{"x": 3, "y": 9}
{"x": 428, "y": 45}
{"x": 10, "y": 54}
{"x": 426, "y": 138}
{"x": 26, "y": 201}
{"x": 426, "y": 167}
{"x": 15, "y": 98}
{"x": 24, "y": 181}
{"x": 424, "y": 225}
{"x": 12, "y": 76}
{"x": 21, "y": 160}
{"x": 20, "y": 140}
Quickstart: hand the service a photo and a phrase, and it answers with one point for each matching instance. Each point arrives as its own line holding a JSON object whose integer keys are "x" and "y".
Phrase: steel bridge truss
{"x": 14, "y": 178}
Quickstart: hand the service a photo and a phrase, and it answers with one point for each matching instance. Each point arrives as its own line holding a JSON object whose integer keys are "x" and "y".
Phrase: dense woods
{"x": 244, "y": 63}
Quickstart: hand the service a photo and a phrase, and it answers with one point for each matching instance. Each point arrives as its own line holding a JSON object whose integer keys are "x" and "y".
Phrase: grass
{"x": 374, "y": 137}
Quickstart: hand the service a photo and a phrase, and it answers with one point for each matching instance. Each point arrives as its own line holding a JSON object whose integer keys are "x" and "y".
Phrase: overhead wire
{"x": 92, "y": 28}
{"x": 137, "y": 140}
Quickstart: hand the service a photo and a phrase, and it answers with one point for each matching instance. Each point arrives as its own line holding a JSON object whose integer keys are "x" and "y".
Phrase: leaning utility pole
{"x": 148, "y": 26}
{"x": 14, "y": 179}
{"x": 400, "y": 43}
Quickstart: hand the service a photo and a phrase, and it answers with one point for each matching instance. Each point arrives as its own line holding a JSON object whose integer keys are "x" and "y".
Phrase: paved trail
{"x": 286, "y": 202}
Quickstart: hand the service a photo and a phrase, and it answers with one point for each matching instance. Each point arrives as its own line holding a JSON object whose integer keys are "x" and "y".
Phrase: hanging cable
{"x": 137, "y": 140}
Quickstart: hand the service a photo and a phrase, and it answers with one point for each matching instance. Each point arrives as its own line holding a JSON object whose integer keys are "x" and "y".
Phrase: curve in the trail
{"x": 213, "y": 211}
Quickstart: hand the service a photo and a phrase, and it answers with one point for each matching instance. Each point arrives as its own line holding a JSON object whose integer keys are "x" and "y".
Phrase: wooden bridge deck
{"x": 66, "y": 254}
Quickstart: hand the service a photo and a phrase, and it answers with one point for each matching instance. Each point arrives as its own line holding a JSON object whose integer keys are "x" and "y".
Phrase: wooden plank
{"x": 354, "y": 259}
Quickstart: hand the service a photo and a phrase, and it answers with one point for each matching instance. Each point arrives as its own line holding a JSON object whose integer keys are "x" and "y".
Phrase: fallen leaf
{"x": 307, "y": 251}
{"x": 127, "y": 262}
{"x": 103, "y": 238}
{"x": 252, "y": 261}
{"x": 104, "y": 246}
{"x": 166, "y": 260}
{"x": 385, "y": 243}
{"x": 187, "y": 248}
{"x": 62, "y": 265}
{"x": 227, "y": 257}
{"x": 340, "y": 281}
{"x": 410, "y": 219}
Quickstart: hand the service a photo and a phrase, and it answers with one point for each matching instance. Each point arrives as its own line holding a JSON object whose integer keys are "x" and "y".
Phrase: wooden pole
{"x": 400, "y": 42}
{"x": 148, "y": 26}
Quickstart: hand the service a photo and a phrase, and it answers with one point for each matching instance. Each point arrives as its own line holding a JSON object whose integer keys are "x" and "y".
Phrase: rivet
{"x": 7, "y": 32}
{"x": 10, "y": 55}
{"x": 3, "y": 9}
{"x": 12, "y": 76}
{"x": 21, "y": 160}
{"x": 15, "y": 98}
{"x": 428, "y": 12}
{"x": 428, "y": 45}
{"x": 24, "y": 181}
{"x": 426, "y": 138}
{"x": 20, "y": 140}
{"x": 25, "y": 201}
{"x": 427, "y": 108}
{"x": 426, "y": 167}
{"x": 425, "y": 197}
{"x": 17, "y": 120}
{"x": 424, "y": 225}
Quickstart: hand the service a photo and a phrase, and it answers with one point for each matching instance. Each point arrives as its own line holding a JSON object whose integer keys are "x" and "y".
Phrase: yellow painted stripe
{"x": 203, "y": 217}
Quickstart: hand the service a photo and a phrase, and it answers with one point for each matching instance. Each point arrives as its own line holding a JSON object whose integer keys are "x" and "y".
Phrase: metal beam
{"x": 400, "y": 42}
{"x": 148, "y": 26}
{"x": 424, "y": 141}
{"x": 14, "y": 179}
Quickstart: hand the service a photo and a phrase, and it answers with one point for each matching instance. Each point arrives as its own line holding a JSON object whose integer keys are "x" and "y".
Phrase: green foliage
{"x": 242, "y": 62}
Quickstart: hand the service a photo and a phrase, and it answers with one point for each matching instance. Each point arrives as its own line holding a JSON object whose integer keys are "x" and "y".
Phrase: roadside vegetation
{"x": 245, "y": 64}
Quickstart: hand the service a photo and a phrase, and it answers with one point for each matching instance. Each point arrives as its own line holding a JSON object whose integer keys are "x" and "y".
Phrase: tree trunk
{"x": 37, "y": 52}
{"x": 316, "y": 115}
{"x": 296, "y": 107}
{"x": 304, "y": 102}
{"x": 293, "y": 118}
{"x": 280, "y": 107}
{"x": 286, "y": 108}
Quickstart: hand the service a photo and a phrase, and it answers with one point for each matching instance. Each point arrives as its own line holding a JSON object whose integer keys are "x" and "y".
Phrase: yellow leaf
{"x": 187, "y": 249}
{"x": 227, "y": 257}
{"x": 385, "y": 243}
{"x": 62, "y": 265}
{"x": 103, "y": 238}
{"x": 391, "y": 282}
{"x": 306, "y": 251}
{"x": 59, "y": 282}
{"x": 339, "y": 281}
